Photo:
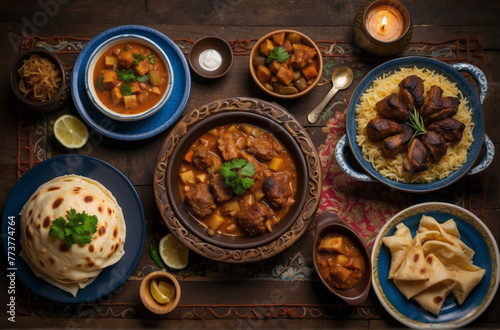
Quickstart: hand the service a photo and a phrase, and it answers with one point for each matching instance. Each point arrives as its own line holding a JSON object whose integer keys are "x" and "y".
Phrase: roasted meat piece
{"x": 411, "y": 91}
{"x": 227, "y": 146}
{"x": 200, "y": 199}
{"x": 391, "y": 107}
{"x": 202, "y": 158}
{"x": 449, "y": 109}
{"x": 261, "y": 150}
{"x": 436, "y": 145}
{"x": 379, "y": 128}
{"x": 277, "y": 189}
{"x": 252, "y": 218}
{"x": 395, "y": 144}
{"x": 221, "y": 192}
{"x": 433, "y": 103}
{"x": 416, "y": 157}
{"x": 450, "y": 129}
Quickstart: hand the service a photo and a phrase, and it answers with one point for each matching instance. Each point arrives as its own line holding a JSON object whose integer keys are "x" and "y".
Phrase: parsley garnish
{"x": 126, "y": 76}
{"x": 100, "y": 84}
{"x": 238, "y": 174}
{"x": 78, "y": 228}
{"x": 279, "y": 53}
{"x": 143, "y": 78}
{"x": 126, "y": 90}
{"x": 151, "y": 58}
{"x": 137, "y": 58}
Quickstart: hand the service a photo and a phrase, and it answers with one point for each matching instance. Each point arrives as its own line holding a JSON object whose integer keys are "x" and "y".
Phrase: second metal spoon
{"x": 341, "y": 79}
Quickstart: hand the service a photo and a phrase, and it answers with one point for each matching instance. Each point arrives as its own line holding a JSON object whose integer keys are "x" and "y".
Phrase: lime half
{"x": 70, "y": 132}
{"x": 173, "y": 253}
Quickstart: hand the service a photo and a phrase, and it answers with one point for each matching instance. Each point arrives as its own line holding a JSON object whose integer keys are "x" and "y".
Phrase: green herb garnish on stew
{"x": 151, "y": 58}
{"x": 137, "y": 58}
{"x": 126, "y": 90}
{"x": 77, "y": 228}
{"x": 279, "y": 53}
{"x": 238, "y": 174}
{"x": 143, "y": 78}
{"x": 100, "y": 83}
{"x": 126, "y": 76}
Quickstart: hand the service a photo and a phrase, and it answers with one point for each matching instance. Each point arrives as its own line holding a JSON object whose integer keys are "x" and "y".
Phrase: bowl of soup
{"x": 129, "y": 77}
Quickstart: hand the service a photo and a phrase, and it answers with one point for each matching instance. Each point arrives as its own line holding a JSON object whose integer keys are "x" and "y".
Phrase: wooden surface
{"x": 433, "y": 21}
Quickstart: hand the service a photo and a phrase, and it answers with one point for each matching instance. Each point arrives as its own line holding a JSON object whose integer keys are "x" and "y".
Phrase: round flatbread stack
{"x": 49, "y": 257}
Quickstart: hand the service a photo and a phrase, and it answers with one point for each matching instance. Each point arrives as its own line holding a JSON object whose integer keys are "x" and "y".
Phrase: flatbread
{"x": 399, "y": 244}
{"x": 49, "y": 257}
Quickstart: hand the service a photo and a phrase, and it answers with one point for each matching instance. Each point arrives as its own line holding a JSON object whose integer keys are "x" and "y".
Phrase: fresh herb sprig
{"x": 238, "y": 174}
{"x": 279, "y": 53}
{"x": 127, "y": 77}
{"x": 137, "y": 58}
{"x": 77, "y": 228}
{"x": 151, "y": 58}
{"x": 417, "y": 123}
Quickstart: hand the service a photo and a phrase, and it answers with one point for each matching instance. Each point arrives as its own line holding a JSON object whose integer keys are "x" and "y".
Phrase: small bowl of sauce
{"x": 210, "y": 57}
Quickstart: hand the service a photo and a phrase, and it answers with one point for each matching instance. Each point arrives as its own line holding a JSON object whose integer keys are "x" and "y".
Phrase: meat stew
{"x": 231, "y": 205}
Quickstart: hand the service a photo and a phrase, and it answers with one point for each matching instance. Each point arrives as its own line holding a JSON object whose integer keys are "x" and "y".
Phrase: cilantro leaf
{"x": 77, "y": 228}
{"x": 126, "y": 90}
{"x": 238, "y": 175}
{"x": 279, "y": 53}
{"x": 151, "y": 58}
{"x": 137, "y": 58}
{"x": 126, "y": 76}
{"x": 100, "y": 84}
{"x": 143, "y": 78}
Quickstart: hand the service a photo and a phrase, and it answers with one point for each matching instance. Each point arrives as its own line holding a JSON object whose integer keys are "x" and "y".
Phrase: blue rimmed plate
{"x": 111, "y": 277}
{"x": 147, "y": 127}
{"x": 474, "y": 233}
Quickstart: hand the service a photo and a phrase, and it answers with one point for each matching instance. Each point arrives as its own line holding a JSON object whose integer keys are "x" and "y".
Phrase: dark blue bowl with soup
{"x": 453, "y": 73}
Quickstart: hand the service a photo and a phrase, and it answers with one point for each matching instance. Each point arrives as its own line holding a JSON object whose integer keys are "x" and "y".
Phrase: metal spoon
{"x": 341, "y": 79}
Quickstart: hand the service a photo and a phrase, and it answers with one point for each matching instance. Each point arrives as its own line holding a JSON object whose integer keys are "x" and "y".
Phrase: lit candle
{"x": 384, "y": 23}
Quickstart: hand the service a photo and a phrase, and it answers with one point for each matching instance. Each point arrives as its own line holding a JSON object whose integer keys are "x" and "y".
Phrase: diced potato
{"x": 340, "y": 273}
{"x": 110, "y": 62}
{"x": 154, "y": 78}
{"x": 259, "y": 194}
{"x": 332, "y": 244}
{"x": 275, "y": 163}
{"x": 279, "y": 38}
{"x": 263, "y": 74}
{"x": 142, "y": 68}
{"x": 300, "y": 84}
{"x": 187, "y": 177}
{"x": 285, "y": 75}
{"x": 341, "y": 260}
{"x": 201, "y": 177}
{"x": 116, "y": 95}
{"x": 296, "y": 75}
{"x": 269, "y": 226}
{"x": 233, "y": 129}
{"x": 134, "y": 86}
{"x": 231, "y": 207}
{"x": 266, "y": 47}
{"x": 215, "y": 221}
{"x": 109, "y": 79}
{"x": 310, "y": 72}
{"x": 275, "y": 66}
{"x": 293, "y": 38}
{"x": 216, "y": 166}
{"x": 259, "y": 60}
{"x": 354, "y": 263}
{"x": 256, "y": 132}
{"x": 126, "y": 59}
{"x": 214, "y": 132}
{"x": 246, "y": 128}
{"x": 249, "y": 199}
{"x": 130, "y": 101}
{"x": 156, "y": 91}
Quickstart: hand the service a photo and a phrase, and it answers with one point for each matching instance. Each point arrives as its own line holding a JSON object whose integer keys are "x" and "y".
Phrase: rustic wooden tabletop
{"x": 284, "y": 291}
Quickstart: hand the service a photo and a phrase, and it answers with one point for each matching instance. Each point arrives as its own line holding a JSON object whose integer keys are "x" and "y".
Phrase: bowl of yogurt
{"x": 210, "y": 57}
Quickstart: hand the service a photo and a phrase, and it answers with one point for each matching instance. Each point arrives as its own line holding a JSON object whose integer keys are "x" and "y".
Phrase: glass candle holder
{"x": 382, "y": 27}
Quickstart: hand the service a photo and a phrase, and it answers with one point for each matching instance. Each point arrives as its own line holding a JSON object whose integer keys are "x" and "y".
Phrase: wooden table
{"x": 208, "y": 301}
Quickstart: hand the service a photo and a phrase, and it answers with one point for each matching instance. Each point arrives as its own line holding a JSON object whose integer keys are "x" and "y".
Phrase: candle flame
{"x": 384, "y": 22}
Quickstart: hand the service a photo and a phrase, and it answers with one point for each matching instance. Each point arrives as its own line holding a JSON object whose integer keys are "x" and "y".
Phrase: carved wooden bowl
{"x": 237, "y": 249}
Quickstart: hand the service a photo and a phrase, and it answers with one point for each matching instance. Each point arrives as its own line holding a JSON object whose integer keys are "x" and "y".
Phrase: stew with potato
{"x": 130, "y": 78}
{"x": 285, "y": 65}
{"x": 238, "y": 179}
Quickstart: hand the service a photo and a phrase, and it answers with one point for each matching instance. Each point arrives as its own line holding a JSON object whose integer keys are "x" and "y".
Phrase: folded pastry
{"x": 399, "y": 244}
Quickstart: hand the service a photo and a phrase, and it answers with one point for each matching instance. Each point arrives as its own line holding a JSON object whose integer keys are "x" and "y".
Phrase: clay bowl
{"x": 62, "y": 95}
{"x": 150, "y": 302}
{"x": 304, "y": 40}
{"x": 329, "y": 222}
{"x": 237, "y": 249}
{"x": 215, "y": 43}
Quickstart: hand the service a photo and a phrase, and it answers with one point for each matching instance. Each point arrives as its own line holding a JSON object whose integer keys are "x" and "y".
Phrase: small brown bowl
{"x": 215, "y": 43}
{"x": 62, "y": 95}
{"x": 304, "y": 40}
{"x": 150, "y": 302}
{"x": 329, "y": 222}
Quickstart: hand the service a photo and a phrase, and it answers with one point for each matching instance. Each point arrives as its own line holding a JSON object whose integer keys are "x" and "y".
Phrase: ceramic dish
{"x": 111, "y": 277}
{"x": 207, "y": 43}
{"x": 90, "y": 85}
{"x": 150, "y": 126}
{"x": 227, "y": 248}
{"x": 452, "y": 72}
{"x": 474, "y": 234}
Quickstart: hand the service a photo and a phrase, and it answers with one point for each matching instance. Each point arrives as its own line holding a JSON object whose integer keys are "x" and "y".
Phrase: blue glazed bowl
{"x": 452, "y": 72}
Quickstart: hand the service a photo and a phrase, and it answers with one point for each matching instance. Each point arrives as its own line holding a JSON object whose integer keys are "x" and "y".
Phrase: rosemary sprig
{"x": 417, "y": 123}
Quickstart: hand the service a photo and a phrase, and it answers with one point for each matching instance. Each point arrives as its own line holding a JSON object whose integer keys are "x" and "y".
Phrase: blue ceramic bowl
{"x": 474, "y": 234}
{"x": 452, "y": 72}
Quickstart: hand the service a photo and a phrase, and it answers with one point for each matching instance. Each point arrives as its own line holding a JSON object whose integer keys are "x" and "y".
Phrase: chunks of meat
{"x": 379, "y": 128}
{"x": 391, "y": 107}
{"x": 416, "y": 158}
{"x": 277, "y": 189}
{"x": 433, "y": 103}
{"x": 200, "y": 199}
{"x": 411, "y": 91}
{"x": 227, "y": 146}
{"x": 436, "y": 145}
{"x": 252, "y": 218}
{"x": 450, "y": 129}
{"x": 202, "y": 158}
{"x": 261, "y": 150}
{"x": 436, "y": 107}
{"x": 395, "y": 144}
{"x": 221, "y": 192}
